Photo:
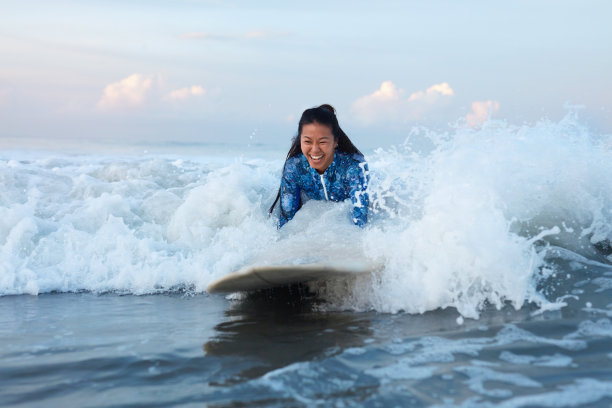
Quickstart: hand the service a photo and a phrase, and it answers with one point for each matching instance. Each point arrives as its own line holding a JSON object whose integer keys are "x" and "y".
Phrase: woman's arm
{"x": 358, "y": 178}
{"x": 289, "y": 194}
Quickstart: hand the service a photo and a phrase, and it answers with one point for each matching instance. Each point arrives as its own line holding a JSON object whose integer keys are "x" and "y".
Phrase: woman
{"x": 323, "y": 164}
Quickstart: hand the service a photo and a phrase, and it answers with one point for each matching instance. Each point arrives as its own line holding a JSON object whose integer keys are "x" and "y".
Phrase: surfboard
{"x": 259, "y": 277}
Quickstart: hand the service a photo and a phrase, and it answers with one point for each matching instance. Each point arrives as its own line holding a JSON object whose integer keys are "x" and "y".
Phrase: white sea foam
{"x": 556, "y": 360}
{"x": 603, "y": 283}
{"x": 478, "y": 376}
{"x": 413, "y": 359}
{"x": 588, "y": 328}
{"x": 458, "y": 219}
{"x": 581, "y": 392}
{"x": 458, "y": 225}
{"x": 307, "y": 381}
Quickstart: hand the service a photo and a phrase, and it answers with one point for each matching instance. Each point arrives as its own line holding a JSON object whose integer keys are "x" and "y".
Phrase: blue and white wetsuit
{"x": 346, "y": 177}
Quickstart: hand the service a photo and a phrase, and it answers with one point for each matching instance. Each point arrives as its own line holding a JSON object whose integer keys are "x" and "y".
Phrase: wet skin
{"x": 318, "y": 145}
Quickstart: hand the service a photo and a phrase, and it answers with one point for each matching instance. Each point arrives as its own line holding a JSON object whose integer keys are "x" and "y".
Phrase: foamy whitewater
{"x": 494, "y": 287}
{"x": 458, "y": 219}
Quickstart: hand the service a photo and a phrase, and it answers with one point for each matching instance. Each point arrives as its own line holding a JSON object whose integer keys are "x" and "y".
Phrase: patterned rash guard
{"x": 346, "y": 177}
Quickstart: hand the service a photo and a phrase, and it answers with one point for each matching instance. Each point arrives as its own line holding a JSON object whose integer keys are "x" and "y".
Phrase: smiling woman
{"x": 318, "y": 145}
{"x": 323, "y": 164}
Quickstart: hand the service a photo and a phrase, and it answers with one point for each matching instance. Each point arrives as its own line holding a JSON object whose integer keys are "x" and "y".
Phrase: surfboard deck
{"x": 268, "y": 276}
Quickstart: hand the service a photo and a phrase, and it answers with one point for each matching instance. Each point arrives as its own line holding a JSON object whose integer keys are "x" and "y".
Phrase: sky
{"x": 241, "y": 72}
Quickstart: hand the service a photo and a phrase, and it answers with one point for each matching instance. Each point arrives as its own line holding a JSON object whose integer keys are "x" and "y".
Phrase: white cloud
{"x": 433, "y": 92}
{"x": 184, "y": 93}
{"x": 265, "y": 34}
{"x": 387, "y": 92}
{"x": 388, "y": 103}
{"x": 257, "y": 34}
{"x": 380, "y": 105}
{"x": 251, "y": 35}
{"x": 138, "y": 90}
{"x": 481, "y": 111}
{"x": 207, "y": 36}
{"x": 128, "y": 92}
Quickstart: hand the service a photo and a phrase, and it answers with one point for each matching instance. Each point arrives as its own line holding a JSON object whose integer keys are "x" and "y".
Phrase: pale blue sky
{"x": 242, "y": 71}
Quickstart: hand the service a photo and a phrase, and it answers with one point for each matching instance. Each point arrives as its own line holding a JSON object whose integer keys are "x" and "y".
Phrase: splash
{"x": 465, "y": 219}
{"x": 460, "y": 219}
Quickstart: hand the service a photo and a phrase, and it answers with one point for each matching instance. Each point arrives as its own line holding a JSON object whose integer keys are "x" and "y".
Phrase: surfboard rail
{"x": 268, "y": 276}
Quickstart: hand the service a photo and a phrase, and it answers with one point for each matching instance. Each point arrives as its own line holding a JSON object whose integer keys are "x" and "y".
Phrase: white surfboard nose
{"x": 269, "y": 276}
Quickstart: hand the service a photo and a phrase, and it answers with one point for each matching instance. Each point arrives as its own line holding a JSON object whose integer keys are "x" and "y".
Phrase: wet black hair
{"x": 323, "y": 115}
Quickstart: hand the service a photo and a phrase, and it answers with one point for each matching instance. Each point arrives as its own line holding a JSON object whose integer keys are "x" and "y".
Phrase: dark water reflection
{"x": 272, "y": 329}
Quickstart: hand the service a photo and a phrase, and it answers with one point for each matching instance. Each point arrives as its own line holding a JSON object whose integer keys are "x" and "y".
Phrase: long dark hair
{"x": 324, "y": 115}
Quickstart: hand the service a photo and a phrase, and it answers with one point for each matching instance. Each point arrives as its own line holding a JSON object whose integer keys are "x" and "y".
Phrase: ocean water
{"x": 495, "y": 288}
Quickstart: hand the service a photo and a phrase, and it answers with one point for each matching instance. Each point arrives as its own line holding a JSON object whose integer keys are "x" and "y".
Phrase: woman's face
{"x": 318, "y": 145}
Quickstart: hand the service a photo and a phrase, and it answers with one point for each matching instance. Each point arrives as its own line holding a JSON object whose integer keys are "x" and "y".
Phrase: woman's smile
{"x": 318, "y": 145}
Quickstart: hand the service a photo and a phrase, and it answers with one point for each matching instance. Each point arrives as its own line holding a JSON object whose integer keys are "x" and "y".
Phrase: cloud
{"x": 129, "y": 92}
{"x": 265, "y": 34}
{"x": 481, "y": 111}
{"x": 251, "y": 35}
{"x": 388, "y": 103}
{"x": 207, "y": 36}
{"x": 184, "y": 93}
{"x": 387, "y": 92}
{"x": 433, "y": 92}
{"x": 138, "y": 90}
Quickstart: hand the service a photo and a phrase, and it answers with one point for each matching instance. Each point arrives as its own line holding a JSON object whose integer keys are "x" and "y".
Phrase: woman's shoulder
{"x": 295, "y": 163}
{"x": 353, "y": 166}
{"x": 350, "y": 159}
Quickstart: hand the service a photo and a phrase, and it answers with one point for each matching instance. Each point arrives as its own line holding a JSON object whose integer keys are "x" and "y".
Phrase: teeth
{"x": 316, "y": 157}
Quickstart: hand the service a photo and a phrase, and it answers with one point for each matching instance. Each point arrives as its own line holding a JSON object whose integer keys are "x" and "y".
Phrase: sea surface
{"x": 495, "y": 287}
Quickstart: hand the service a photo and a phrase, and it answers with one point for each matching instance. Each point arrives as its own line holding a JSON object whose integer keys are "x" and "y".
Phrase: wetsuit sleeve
{"x": 358, "y": 178}
{"x": 289, "y": 194}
